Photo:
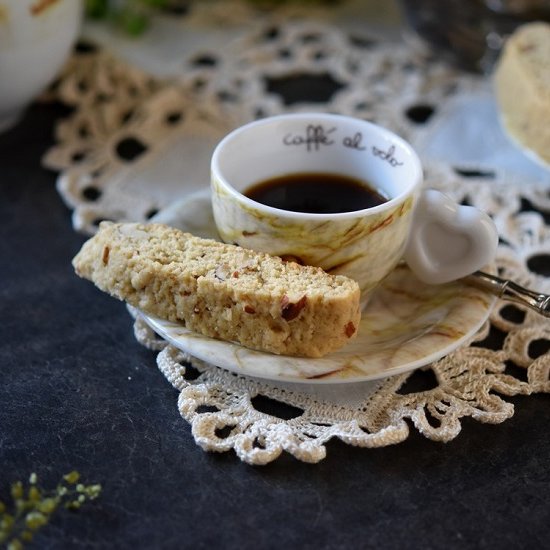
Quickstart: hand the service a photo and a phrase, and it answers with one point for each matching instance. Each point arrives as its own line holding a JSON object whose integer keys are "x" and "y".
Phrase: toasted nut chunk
{"x": 350, "y": 329}
{"x": 290, "y": 310}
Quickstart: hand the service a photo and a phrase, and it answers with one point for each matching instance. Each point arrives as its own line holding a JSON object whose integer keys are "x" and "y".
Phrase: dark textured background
{"x": 78, "y": 392}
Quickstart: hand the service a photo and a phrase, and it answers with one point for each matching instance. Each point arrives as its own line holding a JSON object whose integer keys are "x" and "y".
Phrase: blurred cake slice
{"x": 522, "y": 87}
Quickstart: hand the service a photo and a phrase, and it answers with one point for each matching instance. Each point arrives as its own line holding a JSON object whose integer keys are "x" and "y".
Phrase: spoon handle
{"x": 512, "y": 292}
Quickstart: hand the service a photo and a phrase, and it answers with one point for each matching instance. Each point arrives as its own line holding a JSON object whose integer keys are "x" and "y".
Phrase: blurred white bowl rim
{"x": 36, "y": 37}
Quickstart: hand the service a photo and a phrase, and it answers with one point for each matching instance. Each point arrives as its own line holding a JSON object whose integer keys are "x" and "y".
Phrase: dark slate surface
{"x": 78, "y": 392}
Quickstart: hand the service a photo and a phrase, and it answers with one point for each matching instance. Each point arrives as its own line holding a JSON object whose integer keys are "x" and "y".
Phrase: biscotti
{"x": 222, "y": 291}
{"x": 522, "y": 87}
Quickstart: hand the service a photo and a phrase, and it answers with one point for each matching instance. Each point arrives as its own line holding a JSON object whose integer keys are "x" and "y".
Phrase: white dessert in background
{"x": 522, "y": 87}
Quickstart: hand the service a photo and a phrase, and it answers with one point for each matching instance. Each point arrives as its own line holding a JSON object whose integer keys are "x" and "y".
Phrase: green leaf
{"x": 72, "y": 477}
{"x": 97, "y": 9}
{"x": 34, "y": 495}
{"x": 47, "y": 506}
{"x": 17, "y": 490}
{"x": 93, "y": 491}
{"x": 35, "y": 520}
{"x": 15, "y": 544}
{"x": 134, "y": 23}
{"x": 26, "y": 536}
{"x": 7, "y": 521}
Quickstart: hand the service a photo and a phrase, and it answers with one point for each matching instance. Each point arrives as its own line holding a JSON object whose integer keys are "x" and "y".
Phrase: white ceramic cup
{"x": 439, "y": 239}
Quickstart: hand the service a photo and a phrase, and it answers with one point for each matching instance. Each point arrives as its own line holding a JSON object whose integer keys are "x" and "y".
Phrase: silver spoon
{"x": 511, "y": 292}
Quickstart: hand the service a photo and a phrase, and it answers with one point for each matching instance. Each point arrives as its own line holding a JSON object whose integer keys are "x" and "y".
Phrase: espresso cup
{"x": 440, "y": 240}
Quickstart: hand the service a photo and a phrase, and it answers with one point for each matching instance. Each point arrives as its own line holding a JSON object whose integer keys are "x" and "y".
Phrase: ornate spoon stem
{"x": 512, "y": 292}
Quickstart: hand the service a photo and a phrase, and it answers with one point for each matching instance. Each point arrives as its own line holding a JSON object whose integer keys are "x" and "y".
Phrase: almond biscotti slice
{"x": 222, "y": 291}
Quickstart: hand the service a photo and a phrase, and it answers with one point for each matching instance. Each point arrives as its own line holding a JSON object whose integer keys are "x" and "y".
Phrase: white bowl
{"x": 36, "y": 37}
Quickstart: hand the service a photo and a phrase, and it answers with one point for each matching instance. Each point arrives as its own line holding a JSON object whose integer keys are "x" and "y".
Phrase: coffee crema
{"x": 315, "y": 193}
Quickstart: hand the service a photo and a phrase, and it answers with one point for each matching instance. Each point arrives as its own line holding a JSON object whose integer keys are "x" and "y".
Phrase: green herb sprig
{"x": 32, "y": 507}
{"x": 133, "y": 17}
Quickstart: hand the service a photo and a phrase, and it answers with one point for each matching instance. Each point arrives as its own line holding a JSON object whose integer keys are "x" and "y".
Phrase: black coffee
{"x": 315, "y": 193}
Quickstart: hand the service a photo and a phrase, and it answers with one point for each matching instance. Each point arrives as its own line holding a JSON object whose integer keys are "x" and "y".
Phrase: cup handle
{"x": 448, "y": 241}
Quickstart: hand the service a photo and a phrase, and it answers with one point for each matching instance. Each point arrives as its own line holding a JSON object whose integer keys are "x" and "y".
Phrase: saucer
{"x": 407, "y": 324}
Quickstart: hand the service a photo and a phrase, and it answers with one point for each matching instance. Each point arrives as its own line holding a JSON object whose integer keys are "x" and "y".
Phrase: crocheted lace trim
{"x": 133, "y": 139}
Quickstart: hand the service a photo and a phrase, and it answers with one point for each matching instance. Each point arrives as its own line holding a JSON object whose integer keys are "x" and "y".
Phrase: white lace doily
{"x": 135, "y": 143}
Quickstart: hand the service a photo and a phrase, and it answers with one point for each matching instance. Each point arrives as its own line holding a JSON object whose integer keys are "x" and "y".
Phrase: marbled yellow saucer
{"x": 406, "y": 325}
